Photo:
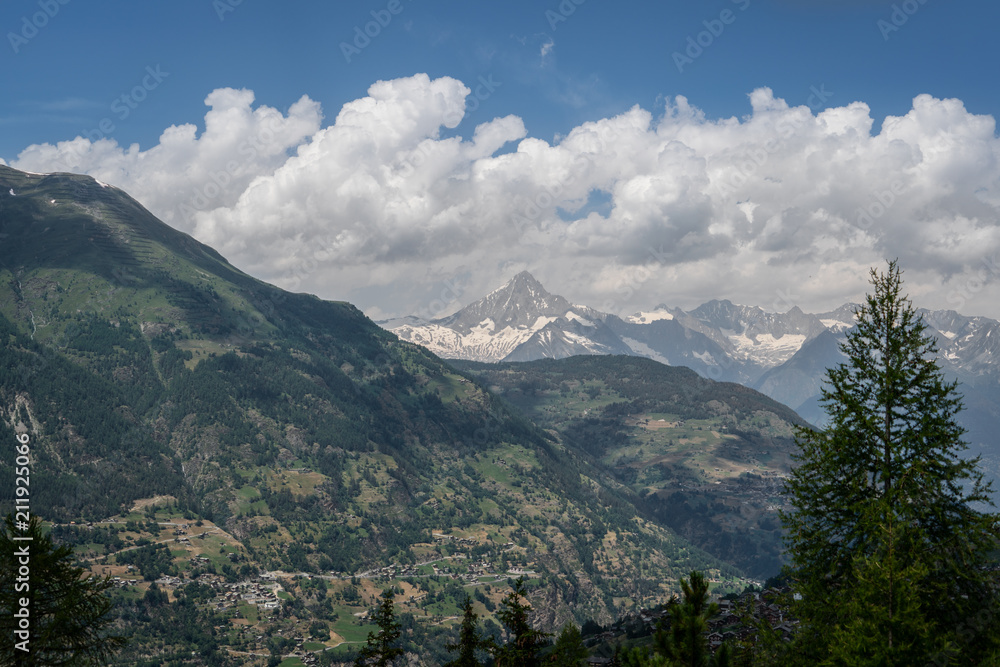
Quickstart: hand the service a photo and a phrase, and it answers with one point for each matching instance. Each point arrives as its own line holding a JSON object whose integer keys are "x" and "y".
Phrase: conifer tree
{"x": 889, "y": 550}
{"x": 569, "y": 650}
{"x": 686, "y": 643}
{"x": 470, "y": 639}
{"x": 380, "y": 650}
{"x": 523, "y": 642}
{"x": 67, "y": 616}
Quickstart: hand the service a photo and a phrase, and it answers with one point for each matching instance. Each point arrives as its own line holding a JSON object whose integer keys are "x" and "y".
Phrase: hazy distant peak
{"x": 518, "y": 304}
{"x": 522, "y": 283}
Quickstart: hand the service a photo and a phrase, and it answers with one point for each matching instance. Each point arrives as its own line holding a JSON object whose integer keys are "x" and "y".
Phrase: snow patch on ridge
{"x": 836, "y": 326}
{"x": 705, "y": 357}
{"x": 644, "y": 350}
{"x": 766, "y": 349}
{"x": 651, "y": 316}
{"x": 482, "y": 343}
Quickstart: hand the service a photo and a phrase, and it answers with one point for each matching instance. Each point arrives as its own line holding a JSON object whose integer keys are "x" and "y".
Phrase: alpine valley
{"x": 253, "y": 467}
{"x": 783, "y": 355}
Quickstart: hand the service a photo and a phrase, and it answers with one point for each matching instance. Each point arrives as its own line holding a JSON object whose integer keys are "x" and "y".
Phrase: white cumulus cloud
{"x": 385, "y": 205}
{"x": 185, "y": 172}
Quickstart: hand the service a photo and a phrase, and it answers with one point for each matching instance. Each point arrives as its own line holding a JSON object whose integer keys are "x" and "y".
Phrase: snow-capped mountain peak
{"x": 522, "y": 321}
{"x": 518, "y": 305}
{"x": 518, "y": 321}
{"x": 661, "y": 312}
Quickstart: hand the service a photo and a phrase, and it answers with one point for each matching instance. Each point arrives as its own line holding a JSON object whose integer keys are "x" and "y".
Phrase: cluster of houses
{"x": 298, "y": 650}
{"x": 388, "y": 572}
{"x": 263, "y": 595}
{"x": 118, "y": 582}
{"x": 729, "y": 626}
{"x": 478, "y": 570}
{"x": 466, "y": 541}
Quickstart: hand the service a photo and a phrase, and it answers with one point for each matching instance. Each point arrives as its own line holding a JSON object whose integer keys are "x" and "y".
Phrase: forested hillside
{"x": 144, "y": 366}
{"x": 707, "y": 458}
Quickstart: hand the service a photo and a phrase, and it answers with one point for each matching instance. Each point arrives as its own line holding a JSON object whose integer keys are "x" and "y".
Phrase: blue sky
{"x": 605, "y": 57}
{"x": 127, "y": 71}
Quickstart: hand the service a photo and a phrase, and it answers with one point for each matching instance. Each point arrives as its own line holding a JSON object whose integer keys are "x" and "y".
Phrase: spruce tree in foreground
{"x": 523, "y": 642}
{"x": 380, "y": 650}
{"x": 470, "y": 639}
{"x": 68, "y": 614}
{"x": 890, "y": 557}
{"x": 569, "y": 650}
{"x": 685, "y": 644}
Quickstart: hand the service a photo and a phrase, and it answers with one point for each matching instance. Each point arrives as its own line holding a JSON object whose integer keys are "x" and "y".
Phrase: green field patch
{"x": 93, "y": 548}
{"x": 249, "y": 611}
{"x": 255, "y": 508}
{"x": 248, "y": 493}
{"x": 488, "y": 506}
{"x": 451, "y": 387}
{"x": 300, "y": 481}
{"x": 662, "y": 446}
{"x": 494, "y": 468}
{"x": 200, "y": 350}
{"x": 444, "y": 608}
{"x": 349, "y": 629}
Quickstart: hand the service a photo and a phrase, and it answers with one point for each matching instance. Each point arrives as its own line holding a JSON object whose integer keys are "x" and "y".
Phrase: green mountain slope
{"x": 707, "y": 457}
{"x": 144, "y": 365}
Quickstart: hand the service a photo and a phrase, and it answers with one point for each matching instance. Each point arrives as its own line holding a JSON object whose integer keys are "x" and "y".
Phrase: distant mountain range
{"x": 783, "y": 355}
{"x": 521, "y": 321}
